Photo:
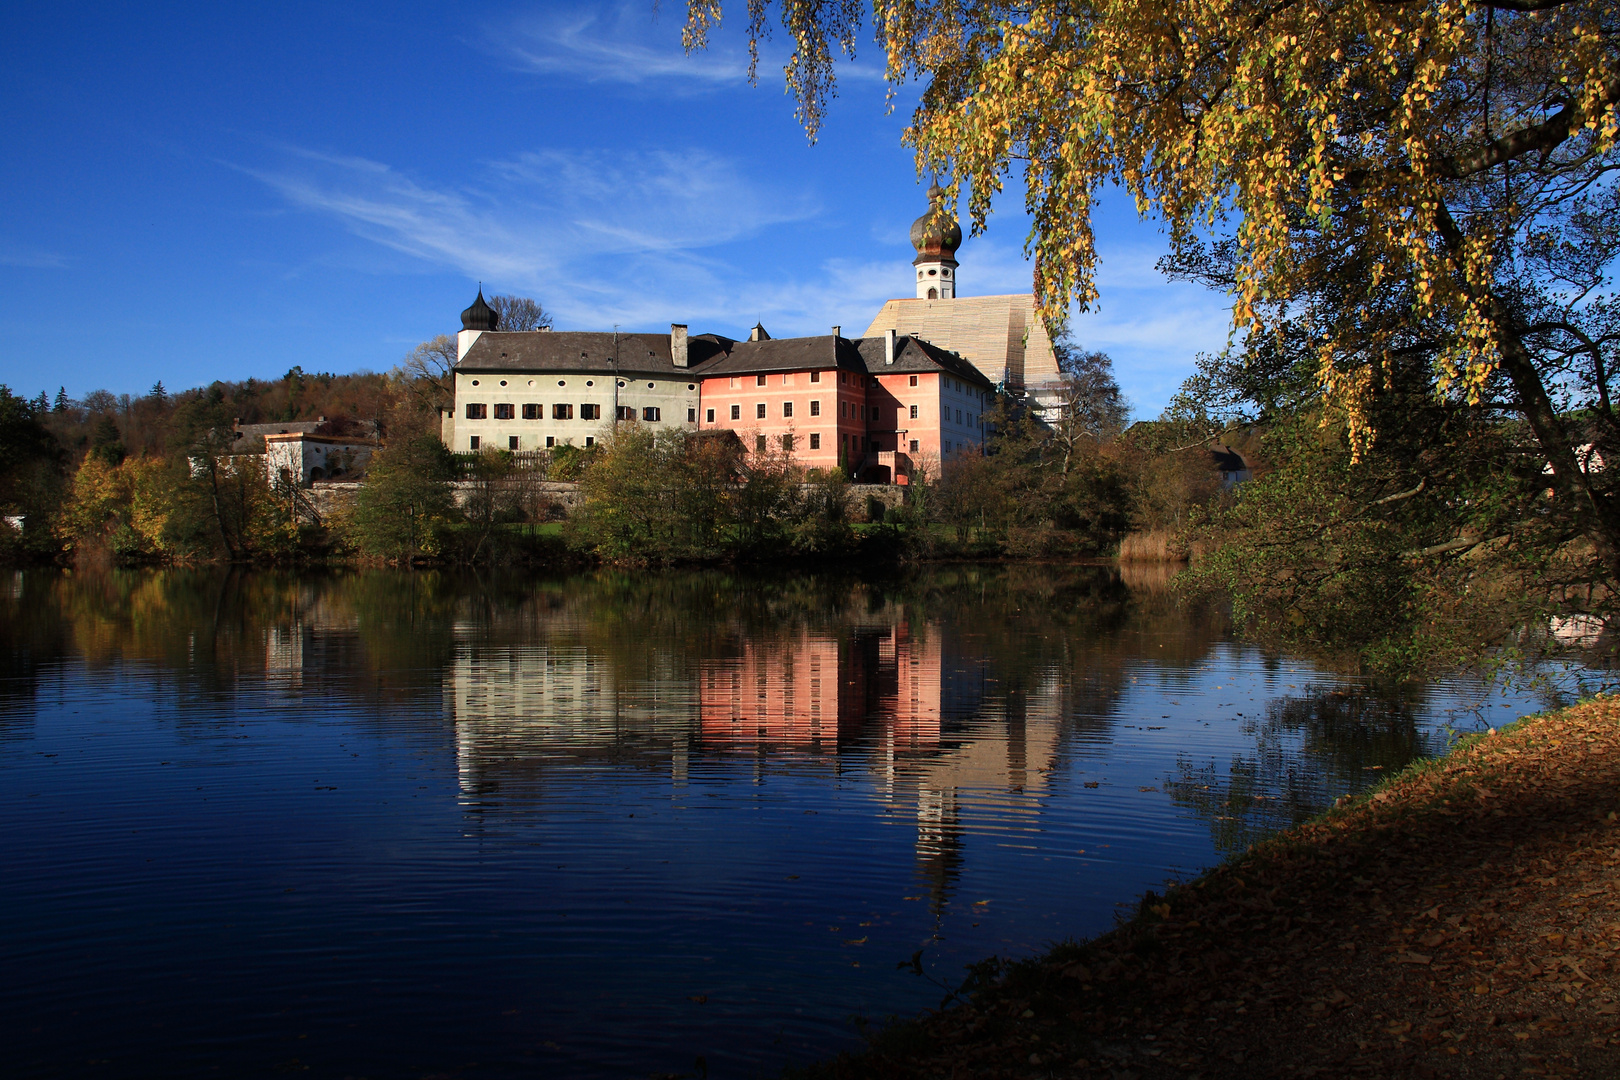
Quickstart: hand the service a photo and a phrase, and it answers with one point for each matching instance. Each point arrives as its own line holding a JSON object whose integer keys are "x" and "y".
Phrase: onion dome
{"x": 936, "y": 235}
{"x": 480, "y": 316}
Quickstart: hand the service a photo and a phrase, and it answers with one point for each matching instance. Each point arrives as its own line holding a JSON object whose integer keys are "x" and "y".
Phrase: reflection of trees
{"x": 1309, "y": 750}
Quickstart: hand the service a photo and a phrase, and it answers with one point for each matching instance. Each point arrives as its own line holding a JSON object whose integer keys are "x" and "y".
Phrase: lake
{"x": 420, "y": 824}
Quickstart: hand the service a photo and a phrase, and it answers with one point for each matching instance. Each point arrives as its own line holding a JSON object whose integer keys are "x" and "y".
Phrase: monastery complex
{"x": 912, "y": 390}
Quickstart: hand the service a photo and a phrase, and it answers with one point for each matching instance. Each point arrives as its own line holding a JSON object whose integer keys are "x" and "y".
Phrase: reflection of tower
{"x": 939, "y": 842}
{"x": 284, "y": 655}
{"x": 936, "y": 236}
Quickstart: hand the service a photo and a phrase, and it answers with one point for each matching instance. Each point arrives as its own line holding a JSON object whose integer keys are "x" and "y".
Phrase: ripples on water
{"x": 397, "y": 825}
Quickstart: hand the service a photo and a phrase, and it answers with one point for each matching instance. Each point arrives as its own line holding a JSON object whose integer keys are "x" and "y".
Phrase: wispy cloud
{"x": 619, "y": 44}
{"x": 624, "y": 44}
{"x": 30, "y": 257}
{"x": 594, "y": 234}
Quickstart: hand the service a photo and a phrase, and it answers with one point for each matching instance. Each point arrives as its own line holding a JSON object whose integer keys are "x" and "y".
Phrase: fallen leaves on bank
{"x": 1463, "y": 921}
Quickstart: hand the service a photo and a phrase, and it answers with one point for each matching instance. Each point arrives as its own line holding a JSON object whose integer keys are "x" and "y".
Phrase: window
{"x": 913, "y": 381}
{"x": 691, "y": 416}
{"x": 913, "y": 446}
{"x": 815, "y": 440}
{"x": 958, "y": 416}
{"x": 874, "y": 446}
{"x": 947, "y": 446}
{"x": 759, "y": 443}
{"x": 562, "y": 412}
{"x": 759, "y": 410}
{"x": 651, "y": 386}
{"x": 512, "y": 442}
{"x": 843, "y": 376}
{"x": 787, "y": 410}
{"x": 736, "y": 412}
{"x": 914, "y": 412}
{"x": 843, "y": 409}
{"x": 651, "y": 414}
{"x": 625, "y": 413}
{"x": 551, "y": 440}
{"x": 477, "y": 412}
{"x": 590, "y": 412}
{"x": 815, "y": 408}
{"x": 759, "y": 380}
{"x": 503, "y": 412}
{"x": 531, "y": 412}
{"x": 472, "y": 443}
{"x": 708, "y": 416}
{"x": 815, "y": 376}
{"x": 933, "y": 294}
{"x": 787, "y": 443}
{"x": 590, "y": 440}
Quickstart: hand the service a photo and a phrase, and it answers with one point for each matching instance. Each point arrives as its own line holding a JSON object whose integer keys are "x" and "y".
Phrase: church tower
{"x": 478, "y": 318}
{"x": 936, "y": 236}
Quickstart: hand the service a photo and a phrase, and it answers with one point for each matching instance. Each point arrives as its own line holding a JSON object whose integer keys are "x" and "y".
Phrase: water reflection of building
{"x": 941, "y": 739}
{"x": 528, "y": 712}
{"x": 816, "y": 691}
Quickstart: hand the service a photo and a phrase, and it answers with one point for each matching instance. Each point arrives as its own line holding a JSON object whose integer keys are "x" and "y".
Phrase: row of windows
{"x": 651, "y": 414}
{"x": 787, "y": 379}
{"x": 845, "y": 410}
{"x": 474, "y": 442}
{"x": 622, "y": 383}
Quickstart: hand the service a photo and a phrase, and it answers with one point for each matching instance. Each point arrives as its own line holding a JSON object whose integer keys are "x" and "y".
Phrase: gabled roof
{"x": 788, "y": 354}
{"x": 914, "y": 355}
{"x": 592, "y": 350}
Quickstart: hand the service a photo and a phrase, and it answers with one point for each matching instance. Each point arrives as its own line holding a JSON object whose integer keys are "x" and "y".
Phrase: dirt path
{"x": 1462, "y": 922}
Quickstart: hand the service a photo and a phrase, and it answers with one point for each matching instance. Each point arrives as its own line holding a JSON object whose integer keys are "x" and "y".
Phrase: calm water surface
{"x": 397, "y": 825}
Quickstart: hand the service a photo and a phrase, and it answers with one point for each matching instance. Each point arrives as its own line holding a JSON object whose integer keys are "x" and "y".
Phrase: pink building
{"x": 879, "y": 407}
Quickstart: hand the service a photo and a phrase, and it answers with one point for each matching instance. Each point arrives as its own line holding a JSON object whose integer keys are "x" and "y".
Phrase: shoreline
{"x": 1462, "y": 919}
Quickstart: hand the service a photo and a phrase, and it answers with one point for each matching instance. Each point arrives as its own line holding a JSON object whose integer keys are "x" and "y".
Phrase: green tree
{"x": 405, "y": 508}
{"x": 106, "y": 442}
{"x": 31, "y": 474}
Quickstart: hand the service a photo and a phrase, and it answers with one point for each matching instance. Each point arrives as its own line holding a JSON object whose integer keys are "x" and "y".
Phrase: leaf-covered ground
{"x": 1463, "y": 921}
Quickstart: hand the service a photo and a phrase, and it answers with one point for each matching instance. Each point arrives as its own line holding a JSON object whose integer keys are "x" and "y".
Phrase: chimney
{"x": 758, "y": 333}
{"x": 677, "y": 344}
{"x": 888, "y": 346}
{"x": 838, "y": 331}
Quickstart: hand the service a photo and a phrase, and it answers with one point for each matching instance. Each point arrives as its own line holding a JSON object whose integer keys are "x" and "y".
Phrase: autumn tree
{"x": 1424, "y": 191}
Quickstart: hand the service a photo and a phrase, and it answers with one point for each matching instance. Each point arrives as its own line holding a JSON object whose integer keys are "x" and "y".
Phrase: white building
{"x": 539, "y": 389}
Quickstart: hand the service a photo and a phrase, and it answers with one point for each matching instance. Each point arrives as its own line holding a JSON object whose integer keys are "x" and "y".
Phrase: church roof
{"x": 936, "y": 235}
{"x": 586, "y": 350}
{"x": 479, "y": 315}
{"x": 1003, "y": 336}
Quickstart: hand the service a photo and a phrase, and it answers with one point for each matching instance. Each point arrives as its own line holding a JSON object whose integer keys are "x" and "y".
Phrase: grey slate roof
{"x": 789, "y": 354}
{"x": 586, "y": 350}
{"x": 914, "y": 355}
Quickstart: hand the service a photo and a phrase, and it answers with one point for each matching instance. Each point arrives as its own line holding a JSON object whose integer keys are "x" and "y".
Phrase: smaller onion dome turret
{"x": 480, "y": 316}
{"x": 936, "y": 235}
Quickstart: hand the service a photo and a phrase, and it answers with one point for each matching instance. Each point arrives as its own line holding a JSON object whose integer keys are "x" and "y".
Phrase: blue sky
{"x": 219, "y": 191}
